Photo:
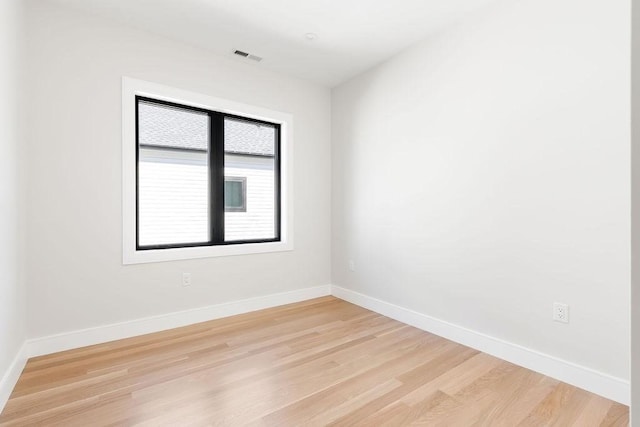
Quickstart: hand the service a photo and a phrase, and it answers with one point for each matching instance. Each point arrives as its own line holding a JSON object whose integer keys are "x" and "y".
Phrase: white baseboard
{"x": 10, "y": 378}
{"x": 588, "y": 379}
{"x": 101, "y": 334}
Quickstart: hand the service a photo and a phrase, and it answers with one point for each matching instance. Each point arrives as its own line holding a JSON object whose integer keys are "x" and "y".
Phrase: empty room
{"x": 298, "y": 213}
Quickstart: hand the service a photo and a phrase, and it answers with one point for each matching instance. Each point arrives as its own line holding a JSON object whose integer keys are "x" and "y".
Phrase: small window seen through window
{"x": 235, "y": 194}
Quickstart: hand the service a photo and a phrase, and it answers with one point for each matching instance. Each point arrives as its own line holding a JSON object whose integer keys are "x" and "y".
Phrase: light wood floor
{"x": 320, "y": 362}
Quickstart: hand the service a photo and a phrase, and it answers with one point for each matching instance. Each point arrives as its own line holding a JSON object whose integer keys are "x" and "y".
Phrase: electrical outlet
{"x": 352, "y": 265}
{"x": 560, "y": 312}
{"x": 186, "y": 279}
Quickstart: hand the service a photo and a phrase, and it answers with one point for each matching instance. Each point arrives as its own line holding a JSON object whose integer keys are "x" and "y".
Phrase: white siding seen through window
{"x": 173, "y": 177}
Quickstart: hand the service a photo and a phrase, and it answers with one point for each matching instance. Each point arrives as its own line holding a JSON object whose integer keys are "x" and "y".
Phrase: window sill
{"x": 175, "y": 254}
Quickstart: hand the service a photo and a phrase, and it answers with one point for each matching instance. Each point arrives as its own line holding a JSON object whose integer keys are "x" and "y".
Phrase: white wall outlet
{"x": 560, "y": 312}
{"x": 352, "y": 265}
{"x": 186, "y": 279}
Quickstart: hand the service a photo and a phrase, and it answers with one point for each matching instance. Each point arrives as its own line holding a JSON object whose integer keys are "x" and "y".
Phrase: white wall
{"x": 484, "y": 174}
{"x": 12, "y": 308}
{"x": 76, "y": 277}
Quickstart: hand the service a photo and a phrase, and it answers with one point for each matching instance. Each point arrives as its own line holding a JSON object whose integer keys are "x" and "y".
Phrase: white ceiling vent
{"x": 248, "y": 55}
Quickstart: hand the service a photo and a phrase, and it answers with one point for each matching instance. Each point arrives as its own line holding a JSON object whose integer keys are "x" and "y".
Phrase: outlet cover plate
{"x": 561, "y": 312}
{"x": 186, "y": 279}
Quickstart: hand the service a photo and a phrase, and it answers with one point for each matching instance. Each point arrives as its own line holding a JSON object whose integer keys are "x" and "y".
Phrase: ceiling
{"x": 352, "y": 35}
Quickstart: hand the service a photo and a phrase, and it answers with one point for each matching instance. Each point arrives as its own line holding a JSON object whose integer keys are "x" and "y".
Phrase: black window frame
{"x": 216, "y": 177}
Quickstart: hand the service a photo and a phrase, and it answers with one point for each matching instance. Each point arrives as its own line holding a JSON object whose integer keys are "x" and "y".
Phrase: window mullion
{"x": 216, "y": 173}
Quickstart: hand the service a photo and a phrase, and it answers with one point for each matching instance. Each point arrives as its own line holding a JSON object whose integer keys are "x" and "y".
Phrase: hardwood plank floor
{"x": 319, "y": 362}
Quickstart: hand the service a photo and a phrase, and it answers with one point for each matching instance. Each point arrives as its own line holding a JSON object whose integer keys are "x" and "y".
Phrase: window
{"x": 208, "y": 180}
{"x": 187, "y": 158}
{"x": 235, "y": 194}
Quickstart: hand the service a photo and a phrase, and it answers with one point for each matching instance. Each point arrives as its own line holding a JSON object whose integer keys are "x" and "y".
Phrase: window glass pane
{"x": 173, "y": 175}
{"x": 249, "y": 154}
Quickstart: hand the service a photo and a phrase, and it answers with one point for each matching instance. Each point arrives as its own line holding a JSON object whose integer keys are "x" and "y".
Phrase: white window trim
{"x": 130, "y": 255}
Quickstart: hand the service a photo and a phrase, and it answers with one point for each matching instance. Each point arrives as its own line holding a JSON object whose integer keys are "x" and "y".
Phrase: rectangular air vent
{"x": 248, "y": 55}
